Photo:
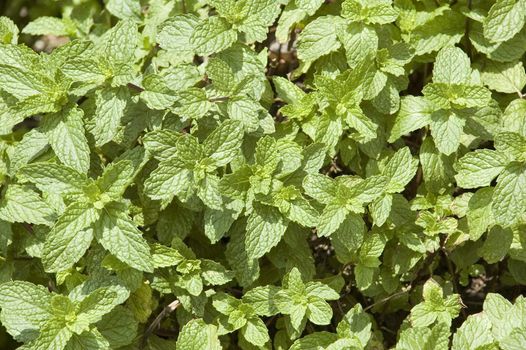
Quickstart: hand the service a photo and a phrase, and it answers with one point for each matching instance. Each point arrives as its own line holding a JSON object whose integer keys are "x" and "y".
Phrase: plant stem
{"x": 168, "y": 309}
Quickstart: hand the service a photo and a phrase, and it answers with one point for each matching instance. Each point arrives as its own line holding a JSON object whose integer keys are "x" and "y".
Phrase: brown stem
{"x": 168, "y": 309}
{"x": 453, "y": 277}
{"x": 381, "y": 301}
{"x": 219, "y": 99}
{"x": 28, "y": 228}
{"x": 135, "y": 87}
{"x": 469, "y": 48}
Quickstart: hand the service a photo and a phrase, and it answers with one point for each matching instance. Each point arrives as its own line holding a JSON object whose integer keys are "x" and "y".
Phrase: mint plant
{"x": 262, "y": 174}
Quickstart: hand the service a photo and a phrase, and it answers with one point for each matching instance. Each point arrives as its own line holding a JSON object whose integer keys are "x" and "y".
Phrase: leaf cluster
{"x": 263, "y": 174}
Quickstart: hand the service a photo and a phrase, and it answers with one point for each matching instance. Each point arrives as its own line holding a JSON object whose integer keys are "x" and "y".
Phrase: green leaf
{"x": 452, "y": 66}
{"x": 263, "y": 219}
{"x": 310, "y": 6}
{"x": 479, "y": 168}
{"x": 121, "y": 237}
{"x": 99, "y": 303}
{"x": 255, "y": 332}
{"x": 348, "y": 238}
{"x": 22, "y": 83}
{"x": 331, "y": 218}
{"x": 257, "y": 16}
{"x": 371, "y": 250}
{"x": 499, "y": 311}
{"x": 175, "y": 34}
{"x": 302, "y": 212}
{"x": 49, "y": 26}
{"x": 197, "y": 335}
{"x": 475, "y": 333}
{"x": 91, "y": 339}
{"x": 319, "y": 311}
{"x": 8, "y": 31}
{"x": 511, "y": 144}
{"x": 480, "y": 215}
{"x": 287, "y": 20}
{"x": 445, "y": 27}
{"x": 84, "y": 70}
{"x": 53, "y": 335}
{"x": 299, "y": 301}
{"x": 8, "y": 117}
{"x": 224, "y": 143}
{"x": 505, "y": 51}
{"x": 189, "y": 150}
{"x": 504, "y": 20}
{"x": 471, "y": 96}
{"x": 504, "y": 77}
{"x": 496, "y": 245}
{"x": 315, "y": 341}
{"x": 23, "y": 204}
{"x": 119, "y": 43}
{"x": 364, "y": 276}
{"x": 436, "y": 167}
{"x": 287, "y": 90}
{"x": 192, "y": 103}
{"x": 368, "y": 190}
{"x": 515, "y": 340}
{"x": 322, "y": 290}
{"x": 414, "y": 113}
{"x": 446, "y": 128}
{"x": 322, "y": 188}
{"x": 509, "y": 198}
{"x": 167, "y": 180}
{"x": 70, "y": 237}
{"x": 209, "y": 193}
{"x": 116, "y": 177}
{"x": 420, "y": 338}
{"x": 365, "y": 127}
{"x": 218, "y": 222}
{"x": 118, "y": 327}
{"x": 107, "y": 118}
{"x": 435, "y": 307}
{"x": 319, "y": 38}
{"x": 124, "y": 9}
{"x": 246, "y": 110}
{"x": 50, "y": 177}
{"x": 18, "y": 56}
{"x": 513, "y": 119}
{"x": 163, "y": 256}
{"x": 400, "y": 169}
{"x": 214, "y": 273}
{"x": 161, "y": 143}
{"x": 65, "y": 132}
{"x": 360, "y": 42}
{"x": 157, "y": 95}
{"x": 245, "y": 268}
{"x": 25, "y": 308}
{"x": 356, "y": 324}
{"x": 212, "y": 35}
{"x": 379, "y": 12}
{"x": 262, "y": 300}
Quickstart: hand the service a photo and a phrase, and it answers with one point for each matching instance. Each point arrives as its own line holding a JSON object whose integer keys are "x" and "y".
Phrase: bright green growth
{"x": 262, "y": 174}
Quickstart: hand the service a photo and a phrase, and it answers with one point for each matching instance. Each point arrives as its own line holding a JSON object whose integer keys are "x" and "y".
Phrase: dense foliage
{"x": 262, "y": 174}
